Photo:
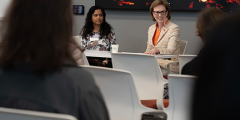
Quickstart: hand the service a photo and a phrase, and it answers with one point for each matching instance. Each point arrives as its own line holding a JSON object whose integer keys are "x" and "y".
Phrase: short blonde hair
{"x": 160, "y": 2}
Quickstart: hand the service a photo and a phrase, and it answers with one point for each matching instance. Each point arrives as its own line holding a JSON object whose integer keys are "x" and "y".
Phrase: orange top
{"x": 157, "y": 34}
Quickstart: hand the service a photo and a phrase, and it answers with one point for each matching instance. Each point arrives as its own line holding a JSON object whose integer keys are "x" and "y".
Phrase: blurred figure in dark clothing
{"x": 217, "y": 95}
{"x": 37, "y": 70}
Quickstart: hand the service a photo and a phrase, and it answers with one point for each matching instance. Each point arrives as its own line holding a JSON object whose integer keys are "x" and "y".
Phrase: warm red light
{"x": 131, "y": 3}
{"x": 202, "y": 0}
{"x": 208, "y": 5}
{"x": 191, "y": 5}
{"x": 148, "y": 3}
{"x": 232, "y": 1}
{"x": 124, "y": 2}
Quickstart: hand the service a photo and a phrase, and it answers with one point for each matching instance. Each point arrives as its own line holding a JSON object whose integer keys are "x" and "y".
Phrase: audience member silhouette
{"x": 217, "y": 93}
{"x": 206, "y": 20}
{"x": 37, "y": 71}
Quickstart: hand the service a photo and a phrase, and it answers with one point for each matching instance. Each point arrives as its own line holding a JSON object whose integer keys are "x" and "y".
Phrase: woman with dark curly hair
{"x": 97, "y": 34}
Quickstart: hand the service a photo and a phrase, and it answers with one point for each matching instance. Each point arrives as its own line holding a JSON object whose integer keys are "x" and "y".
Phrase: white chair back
{"x": 17, "y": 114}
{"x": 180, "y": 96}
{"x": 146, "y": 73}
{"x": 85, "y": 60}
{"x": 119, "y": 93}
{"x": 183, "y": 46}
{"x": 183, "y": 59}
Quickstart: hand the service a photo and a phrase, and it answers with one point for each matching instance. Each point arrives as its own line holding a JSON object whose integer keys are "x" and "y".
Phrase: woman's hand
{"x": 153, "y": 51}
{"x": 105, "y": 62}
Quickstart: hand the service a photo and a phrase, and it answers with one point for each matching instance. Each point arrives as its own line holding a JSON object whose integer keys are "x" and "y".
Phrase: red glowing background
{"x": 174, "y": 4}
{"x": 208, "y": 2}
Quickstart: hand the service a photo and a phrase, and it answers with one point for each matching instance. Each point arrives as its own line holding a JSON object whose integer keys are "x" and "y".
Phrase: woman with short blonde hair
{"x": 163, "y": 36}
{"x": 156, "y": 3}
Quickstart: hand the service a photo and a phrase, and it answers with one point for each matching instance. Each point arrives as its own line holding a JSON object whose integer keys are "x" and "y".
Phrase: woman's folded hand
{"x": 152, "y": 52}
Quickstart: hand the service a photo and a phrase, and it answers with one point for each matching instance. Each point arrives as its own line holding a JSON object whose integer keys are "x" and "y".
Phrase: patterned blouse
{"x": 95, "y": 43}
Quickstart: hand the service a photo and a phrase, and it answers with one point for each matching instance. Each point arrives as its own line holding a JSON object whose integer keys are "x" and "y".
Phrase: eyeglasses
{"x": 159, "y": 12}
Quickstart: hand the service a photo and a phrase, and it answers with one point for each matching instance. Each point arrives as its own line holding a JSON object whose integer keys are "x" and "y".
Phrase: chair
{"x": 146, "y": 74}
{"x": 183, "y": 59}
{"x": 180, "y": 93}
{"x": 17, "y": 114}
{"x": 85, "y": 60}
{"x": 183, "y": 46}
{"x": 119, "y": 93}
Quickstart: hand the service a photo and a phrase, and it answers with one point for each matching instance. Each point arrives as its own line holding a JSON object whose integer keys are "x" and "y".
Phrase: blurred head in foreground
{"x": 37, "y": 31}
{"x": 206, "y": 20}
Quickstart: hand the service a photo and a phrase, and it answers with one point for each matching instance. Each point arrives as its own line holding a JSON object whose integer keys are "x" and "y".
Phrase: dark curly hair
{"x": 105, "y": 29}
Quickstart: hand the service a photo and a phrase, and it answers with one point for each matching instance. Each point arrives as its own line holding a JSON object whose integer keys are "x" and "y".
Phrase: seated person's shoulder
{"x": 151, "y": 29}
{"x": 173, "y": 25}
{"x": 152, "y": 26}
{"x": 112, "y": 30}
{"x": 191, "y": 67}
{"x": 78, "y": 76}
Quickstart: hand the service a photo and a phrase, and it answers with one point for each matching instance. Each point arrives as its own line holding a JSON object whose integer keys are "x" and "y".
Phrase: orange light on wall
{"x": 202, "y": 0}
{"x": 232, "y": 1}
{"x": 211, "y": 1}
{"x": 207, "y": 1}
{"x": 131, "y": 3}
{"x": 148, "y": 3}
{"x": 124, "y": 2}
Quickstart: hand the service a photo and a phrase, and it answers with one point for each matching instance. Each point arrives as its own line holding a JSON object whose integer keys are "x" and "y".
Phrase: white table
{"x": 107, "y": 54}
{"x": 103, "y": 54}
